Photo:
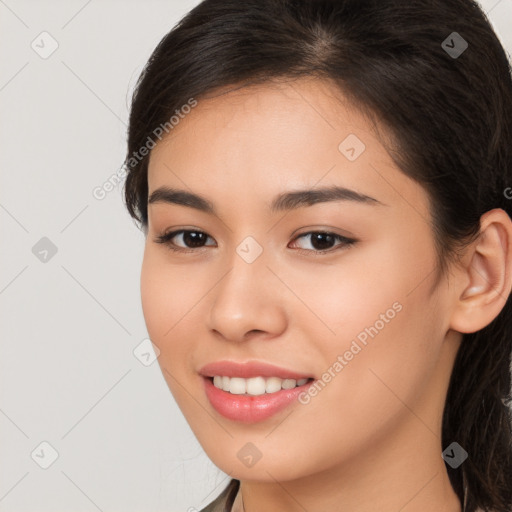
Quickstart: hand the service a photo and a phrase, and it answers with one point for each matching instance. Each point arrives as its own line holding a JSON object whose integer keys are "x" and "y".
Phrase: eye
{"x": 192, "y": 239}
{"x": 321, "y": 242}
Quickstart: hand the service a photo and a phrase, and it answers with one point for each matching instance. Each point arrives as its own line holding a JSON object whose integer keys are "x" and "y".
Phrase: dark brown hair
{"x": 449, "y": 118}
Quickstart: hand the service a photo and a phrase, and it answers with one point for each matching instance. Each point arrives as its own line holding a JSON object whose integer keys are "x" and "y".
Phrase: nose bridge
{"x": 245, "y": 298}
{"x": 248, "y": 263}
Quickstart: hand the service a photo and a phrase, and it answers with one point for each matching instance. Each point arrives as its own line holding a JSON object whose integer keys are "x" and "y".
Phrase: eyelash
{"x": 165, "y": 239}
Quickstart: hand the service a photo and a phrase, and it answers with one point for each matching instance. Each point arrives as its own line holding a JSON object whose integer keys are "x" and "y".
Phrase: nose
{"x": 248, "y": 301}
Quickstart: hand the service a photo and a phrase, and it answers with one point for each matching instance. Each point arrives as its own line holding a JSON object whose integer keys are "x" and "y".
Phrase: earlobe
{"x": 487, "y": 276}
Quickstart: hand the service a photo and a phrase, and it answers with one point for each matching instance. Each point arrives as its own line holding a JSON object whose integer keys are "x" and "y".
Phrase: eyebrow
{"x": 283, "y": 202}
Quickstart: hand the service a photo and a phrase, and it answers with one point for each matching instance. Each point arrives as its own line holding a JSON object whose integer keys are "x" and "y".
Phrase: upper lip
{"x": 249, "y": 369}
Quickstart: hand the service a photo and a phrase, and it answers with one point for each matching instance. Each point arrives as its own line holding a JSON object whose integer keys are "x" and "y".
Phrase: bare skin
{"x": 371, "y": 439}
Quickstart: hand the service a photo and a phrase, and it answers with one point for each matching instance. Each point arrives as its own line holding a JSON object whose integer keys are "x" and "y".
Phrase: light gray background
{"x": 70, "y": 325}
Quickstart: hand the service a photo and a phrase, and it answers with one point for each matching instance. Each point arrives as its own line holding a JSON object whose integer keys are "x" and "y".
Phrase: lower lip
{"x": 248, "y": 408}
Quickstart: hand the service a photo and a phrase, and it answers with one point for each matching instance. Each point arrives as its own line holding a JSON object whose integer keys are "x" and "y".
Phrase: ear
{"x": 485, "y": 281}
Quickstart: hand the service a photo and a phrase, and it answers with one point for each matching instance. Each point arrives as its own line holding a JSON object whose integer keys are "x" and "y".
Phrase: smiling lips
{"x": 251, "y": 392}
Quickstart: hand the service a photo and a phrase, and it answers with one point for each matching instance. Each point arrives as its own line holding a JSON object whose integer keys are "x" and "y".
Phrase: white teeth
{"x": 289, "y": 383}
{"x": 273, "y": 384}
{"x": 255, "y": 385}
{"x": 237, "y": 386}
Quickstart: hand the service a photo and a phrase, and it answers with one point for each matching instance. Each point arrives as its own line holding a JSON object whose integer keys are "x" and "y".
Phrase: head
{"x": 243, "y": 102}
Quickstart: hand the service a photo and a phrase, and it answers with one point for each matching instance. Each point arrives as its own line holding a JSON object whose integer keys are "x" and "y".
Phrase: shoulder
{"x": 224, "y": 501}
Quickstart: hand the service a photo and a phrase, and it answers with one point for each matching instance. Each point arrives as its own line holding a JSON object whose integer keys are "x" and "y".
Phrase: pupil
{"x": 321, "y": 237}
{"x": 193, "y": 238}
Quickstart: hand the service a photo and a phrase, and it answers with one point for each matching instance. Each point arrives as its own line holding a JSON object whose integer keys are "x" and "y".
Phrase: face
{"x": 340, "y": 290}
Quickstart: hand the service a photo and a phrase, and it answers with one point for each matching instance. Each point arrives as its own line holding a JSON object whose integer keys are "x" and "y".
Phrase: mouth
{"x": 244, "y": 401}
{"x": 252, "y": 391}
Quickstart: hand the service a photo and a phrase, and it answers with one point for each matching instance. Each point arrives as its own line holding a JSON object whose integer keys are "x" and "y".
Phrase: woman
{"x": 324, "y": 186}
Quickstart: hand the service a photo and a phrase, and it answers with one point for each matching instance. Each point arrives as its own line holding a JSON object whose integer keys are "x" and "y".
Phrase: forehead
{"x": 275, "y": 115}
{"x": 257, "y": 141}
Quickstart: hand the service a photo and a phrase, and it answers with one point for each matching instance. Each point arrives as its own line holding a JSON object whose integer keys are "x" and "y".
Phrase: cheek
{"x": 341, "y": 300}
{"x": 162, "y": 301}
{"x": 162, "y": 305}
{"x": 167, "y": 294}
{"x": 153, "y": 296}
{"x": 382, "y": 317}
{"x": 398, "y": 325}
{"x": 172, "y": 303}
